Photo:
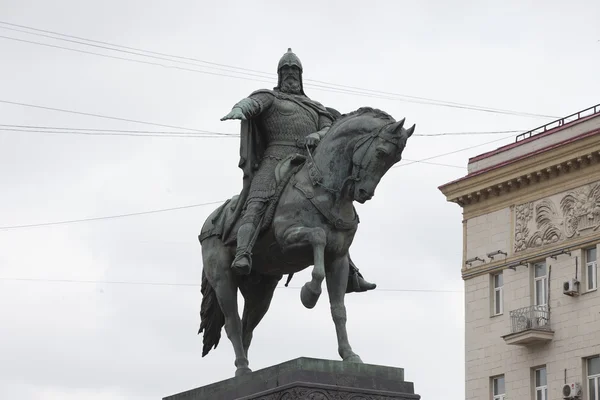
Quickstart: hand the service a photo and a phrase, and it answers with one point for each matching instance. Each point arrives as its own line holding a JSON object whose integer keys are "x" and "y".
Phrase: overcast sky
{"x": 66, "y": 340}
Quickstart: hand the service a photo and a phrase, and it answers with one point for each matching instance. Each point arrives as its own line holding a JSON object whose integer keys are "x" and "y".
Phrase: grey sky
{"x": 116, "y": 341}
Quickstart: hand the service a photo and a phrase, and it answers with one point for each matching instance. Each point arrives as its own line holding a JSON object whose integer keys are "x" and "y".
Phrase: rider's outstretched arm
{"x": 250, "y": 106}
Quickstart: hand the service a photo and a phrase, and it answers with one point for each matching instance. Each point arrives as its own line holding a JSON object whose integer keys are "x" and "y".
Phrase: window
{"x": 593, "y": 372}
{"x": 540, "y": 283}
{"x": 498, "y": 387}
{"x": 498, "y": 281}
{"x": 591, "y": 270}
{"x": 541, "y": 384}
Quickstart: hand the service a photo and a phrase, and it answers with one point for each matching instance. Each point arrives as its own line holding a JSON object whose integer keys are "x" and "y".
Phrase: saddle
{"x": 215, "y": 224}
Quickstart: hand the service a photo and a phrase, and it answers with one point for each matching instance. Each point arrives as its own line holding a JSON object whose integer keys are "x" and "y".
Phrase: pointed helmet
{"x": 290, "y": 59}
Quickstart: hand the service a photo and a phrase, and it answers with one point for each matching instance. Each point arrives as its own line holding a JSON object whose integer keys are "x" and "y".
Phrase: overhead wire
{"x": 12, "y": 227}
{"x": 249, "y": 72}
{"x": 266, "y": 74}
{"x": 448, "y": 153}
{"x": 128, "y": 134}
{"x": 73, "y": 221}
{"x": 181, "y": 134}
{"x": 315, "y": 87}
{"x": 345, "y": 89}
{"x": 176, "y": 284}
{"x": 318, "y": 87}
{"x": 101, "y": 131}
{"x": 175, "y": 135}
{"x": 96, "y": 131}
{"x": 107, "y": 117}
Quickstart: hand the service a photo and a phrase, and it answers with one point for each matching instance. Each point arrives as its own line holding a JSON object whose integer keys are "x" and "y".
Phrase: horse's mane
{"x": 376, "y": 113}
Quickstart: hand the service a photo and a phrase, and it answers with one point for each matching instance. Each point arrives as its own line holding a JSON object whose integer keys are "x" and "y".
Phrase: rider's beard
{"x": 290, "y": 85}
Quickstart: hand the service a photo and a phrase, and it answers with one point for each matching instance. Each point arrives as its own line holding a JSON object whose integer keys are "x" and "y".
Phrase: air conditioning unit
{"x": 571, "y": 391}
{"x": 571, "y": 287}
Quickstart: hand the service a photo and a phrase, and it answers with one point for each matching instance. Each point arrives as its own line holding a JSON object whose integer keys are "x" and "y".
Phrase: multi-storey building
{"x": 531, "y": 235}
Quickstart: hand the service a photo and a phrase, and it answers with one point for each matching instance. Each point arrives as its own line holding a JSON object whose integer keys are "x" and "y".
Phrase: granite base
{"x": 309, "y": 378}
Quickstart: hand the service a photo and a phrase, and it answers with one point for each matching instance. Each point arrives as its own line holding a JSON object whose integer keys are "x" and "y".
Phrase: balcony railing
{"x": 532, "y": 317}
{"x": 529, "y": 325}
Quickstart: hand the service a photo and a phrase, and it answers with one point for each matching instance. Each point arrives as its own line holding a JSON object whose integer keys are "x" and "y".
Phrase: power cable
{"x": 325, "y": 85}
{"x": 316, "y": 87}
{"x": 70, "y": 129}
{"x": 89, "y": 131}
{"x": 106, "y": 117}
{"x": 129, "y": 59}
{"x": 265, "y": 74}
{"x": 175, "y": 135}
{"x": 193, "y": 284}
{"x": 93, "y": 133}
{"x": 333, "y": 90}
{"x": 470, "y": 133}
{"x": 72, "y": 221}
{"x": 262, "y": 73}
{"x": 446, "y": 154}
{"x": 12, "y": 227}
{"x": 127, "y": 52}
{"x": 433, "y": 163}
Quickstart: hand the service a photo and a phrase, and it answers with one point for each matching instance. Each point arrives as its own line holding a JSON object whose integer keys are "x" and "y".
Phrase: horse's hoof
{"x": 354, "y": 358}
{"x": 309, "y": 296}
{"x": 242, "y": 371}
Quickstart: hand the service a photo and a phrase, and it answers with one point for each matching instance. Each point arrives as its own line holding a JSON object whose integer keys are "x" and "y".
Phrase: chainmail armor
{"x": 282, "y": 121}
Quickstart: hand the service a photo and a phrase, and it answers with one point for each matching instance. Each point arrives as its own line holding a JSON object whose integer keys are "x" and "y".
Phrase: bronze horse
{"x": 313, "y": 223}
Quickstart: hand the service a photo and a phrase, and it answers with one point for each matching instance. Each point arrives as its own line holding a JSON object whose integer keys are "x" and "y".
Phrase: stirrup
{"x": 243, "y": 270}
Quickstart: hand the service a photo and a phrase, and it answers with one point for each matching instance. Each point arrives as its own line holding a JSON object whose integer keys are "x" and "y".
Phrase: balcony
{"x": 529, "y": 325}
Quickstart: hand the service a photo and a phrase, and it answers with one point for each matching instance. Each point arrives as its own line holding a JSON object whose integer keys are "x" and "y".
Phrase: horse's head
{"x": 375, "y": 154}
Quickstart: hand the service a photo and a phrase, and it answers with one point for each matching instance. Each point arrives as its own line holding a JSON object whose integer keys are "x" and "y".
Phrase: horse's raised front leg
{"x": 317, "y": 238}
{"x": 337, "y": 279}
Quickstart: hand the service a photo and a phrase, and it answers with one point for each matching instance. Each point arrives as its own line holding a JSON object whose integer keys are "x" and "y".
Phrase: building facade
{"x": 531, "y": 236}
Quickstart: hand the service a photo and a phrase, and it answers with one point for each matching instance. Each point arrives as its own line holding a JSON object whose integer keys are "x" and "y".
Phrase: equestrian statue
{"x": 303, "y": 167}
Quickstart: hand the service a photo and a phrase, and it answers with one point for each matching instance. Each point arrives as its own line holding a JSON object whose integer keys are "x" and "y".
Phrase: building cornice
{"x": 484, "y": 190}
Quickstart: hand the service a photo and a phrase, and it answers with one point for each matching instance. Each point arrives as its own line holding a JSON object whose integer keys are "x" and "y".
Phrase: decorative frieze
{"x": 308, "y": 393}
{"x": 557, "y": 218}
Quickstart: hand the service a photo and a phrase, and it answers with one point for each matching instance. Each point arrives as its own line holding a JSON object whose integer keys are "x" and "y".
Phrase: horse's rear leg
{"x": 318, "y": 239}
{"x": 216, "y": 261}
{"x": 257, "y": 299}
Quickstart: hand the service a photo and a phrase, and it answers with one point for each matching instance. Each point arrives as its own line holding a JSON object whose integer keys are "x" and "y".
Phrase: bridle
{"x": 316, "y": 179}
{"x": 316, "y": 176}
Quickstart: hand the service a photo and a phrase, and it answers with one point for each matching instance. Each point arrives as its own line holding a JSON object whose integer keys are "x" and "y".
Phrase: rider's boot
{"x": 242, "y": 263}
{"x": 356, "y": 282}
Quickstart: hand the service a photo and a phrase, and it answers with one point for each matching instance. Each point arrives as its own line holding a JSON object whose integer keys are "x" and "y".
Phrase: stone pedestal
{"x": 311, "y": 379}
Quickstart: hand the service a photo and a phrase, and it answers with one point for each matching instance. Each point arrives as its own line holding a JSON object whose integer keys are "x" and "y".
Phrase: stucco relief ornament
{"x": 579, "y": 213}
{"x": 549, "y": 223}
{"x": 299, "y": 393}
{"x": 581, "y": 209}
{"x": 523, "y": 214}
{"x": 305, "y": 393}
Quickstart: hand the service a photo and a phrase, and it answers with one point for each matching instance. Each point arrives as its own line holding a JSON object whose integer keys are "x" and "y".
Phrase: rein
{"x": 316, "y": 176}
{"x": 316, "y": 179}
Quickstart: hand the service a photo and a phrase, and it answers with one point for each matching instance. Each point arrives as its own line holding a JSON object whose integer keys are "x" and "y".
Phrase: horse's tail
{"x": 211, "y": 317}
